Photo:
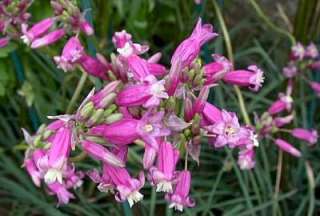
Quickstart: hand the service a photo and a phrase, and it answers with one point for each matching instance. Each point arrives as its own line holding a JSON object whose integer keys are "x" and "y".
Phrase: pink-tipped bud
{"x": 287, "y": 147}
{"x": 311, "y": 136}
{"x": 36, "y": 30}
{"x": 216, "y": 70}
{"x": 48, "y": 39}
{"x": 94, "y": 67}
{"x": 86, "y": 27}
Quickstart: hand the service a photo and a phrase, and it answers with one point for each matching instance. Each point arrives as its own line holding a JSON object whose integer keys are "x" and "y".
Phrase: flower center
{"x": 148, "y": 128}
{"x": 229, "y": 130}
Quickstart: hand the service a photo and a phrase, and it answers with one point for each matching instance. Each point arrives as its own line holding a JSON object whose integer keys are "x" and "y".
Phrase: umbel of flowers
{"x": 164, "y": 109}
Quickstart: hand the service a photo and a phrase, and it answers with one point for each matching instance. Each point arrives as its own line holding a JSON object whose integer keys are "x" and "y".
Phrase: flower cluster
{"x": 142, "y": 103}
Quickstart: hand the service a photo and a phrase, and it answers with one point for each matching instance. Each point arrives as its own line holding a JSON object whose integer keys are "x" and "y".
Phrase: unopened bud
{"x": 107, "y": 100}
{"x": 110, "y": 110}
{"x": 97, "y": 117}
{"x": 87, "y": 110}
{"x": 113, "y": 118}
{"x": 111, "y": 75}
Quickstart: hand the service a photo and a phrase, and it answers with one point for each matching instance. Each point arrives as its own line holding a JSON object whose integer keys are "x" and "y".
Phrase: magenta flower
{"x": 211, "y": 113}
{"x": 315, "y": 87}
{"x": 180, "y": 197}
{"x": 201, "y": 100}
{"x": 54, "y": 163}
{"x": 33, "y": 171}
{"x": 311, "y": 51}
{"x": 55, "y": 125}
{"x": 102, "y": 98}
{"x": 94, "y": 67}
{"x": 114, "y": 133}
{"x": 311, "y": 136}
{"x": 36, "y": 31}
{"x": 187, "y": 52}
{"x": 72, "y": 52}
{"x": 287, "y": 147}
{"x": 246, "y": 159}
{"x": 137, "y": 67}
{"x": 155, "y": 58}
{"x": 283, "y": 103}
{"x": 4, "y": 41}
{"x": 281, "y": 121}
{"x": 290, "y": 70}
{"x": 297, "y": 52}
{"x": 150, "y": 127}
{"x": 227, "y": 130}
{"x": 126, "y": 186}
{"x": 216, "y": 70}
{"x": 61, "y": 192}
{"x": 48, "y": 39}
{"x": 99, "y": 152}
{"x": 86, "y": 27}
{"x": 148, "y": 94}
{"x": 119, "y": 39}
{"x": 163, "y": 174}
{"x": 252, "y": 78}
{"x": 157, "y": 70}
{"x": 149, "y": 156}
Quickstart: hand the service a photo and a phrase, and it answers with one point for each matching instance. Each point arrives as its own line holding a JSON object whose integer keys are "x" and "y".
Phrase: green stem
{"x": 77, "y": 92}
{"x": 270, "y": 23}
{"x": 278, "y": 181}
{"x": 153, "y": 201}
{"x": 231, "y": 58}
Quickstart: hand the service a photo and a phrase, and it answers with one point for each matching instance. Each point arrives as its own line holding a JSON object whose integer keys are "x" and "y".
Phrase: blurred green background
{"x": 31, "y": 88}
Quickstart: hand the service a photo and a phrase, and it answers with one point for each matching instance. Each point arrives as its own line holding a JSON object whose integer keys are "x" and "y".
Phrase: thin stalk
{"x": 278, "y": 181}
{"x": 270, "y": 23}
{"x": 231, "y": 58}
{"x": 153, "y": 201}
{"x": 77, "y": 92}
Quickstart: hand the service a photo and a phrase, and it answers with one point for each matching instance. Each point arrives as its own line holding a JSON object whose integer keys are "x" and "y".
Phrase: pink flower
{"x": 216, "y": 70}
{"x": 86, "y": 27}
{"x": 180, "y": 197}
{"x": 310, "y": 136}
{"x": 150, "y": 127}
{"x": 114, "y": 133}
{"x": 54, "y": 163}
{"x": 287, "y": 147}
{"x": 163, "y": 174}
{"x": 283, "y": 103}
{"x": 290, "y": 71}
{"x": 126, "y": 186}
{"x": 211, "y": 113}
{"x": 201, "y": 100}
{"x": 246, "y": 159}
{"x": 227, "y": 130}
{"x": 148, "y": 94}
{"x": 157, "y": 70}
{"x": 99, "y": 152}
{"x": 315, "y": 87}
{"x": 137, "y": 67}
{"x": 4, "y": 41}
{"x": 252, "y": 78}
{"x": 33, "y": 171}
{"x": 72, "y": 52}
{"x": 297, "y": 52}
{"x": 149, "y": 156}
{"x": 311, "y": 51}
{"x": 187, "y": 52}
{"x": 36, "y": 31}
{"x": 55, "y": 125}
{"x": 281, "y": 121}
{"x": 119, "y": 39}
{"x": 48, "y": 39}
{"x": 61, "y": 192}
{"x": 94, "y": 67}
{"x": 102, "y": 98}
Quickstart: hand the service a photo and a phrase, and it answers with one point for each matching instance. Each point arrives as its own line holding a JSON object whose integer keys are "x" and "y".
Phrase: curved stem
{"x": 77, "y": 92}
{"x": 231, "y": 58}
{"x": 270, "y": 23}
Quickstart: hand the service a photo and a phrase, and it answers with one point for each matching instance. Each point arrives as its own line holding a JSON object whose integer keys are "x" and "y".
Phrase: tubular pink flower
{"x": 211, "y": 113}
{"x": 33, "y": 171}
{"x": 283, "y": 103}
{"x": 282, "y": 121}
{"x": 36, "y": 30}
{"x": 102, "y": 98}
{"x": 311, "y": 51}
{"x": 137, "y": 67}
{"x": 55, "y": 125}
{"x": 94, "y": 67}
{"x": 148, "y": 94}
{"x": 54, "y": 163}
{"x": 61, "y": 192}
{"x": 163, "y": 174}
{"x": 149, "y": 156}
{"x": 252, "y": 78}
{"x": 246, "y": 159}
{"x": 48, "y": 39}
{"x": 297, "y": 52}
{"x": 187, "y": 52}
{"x": 180, "y": 197}
{"x": 86, "y": 28}
{"x": 315, "y": 87}
{"x": 311, "y": 136}
{"x": 287, "y": 147}
{"x": 71, "y": 53}
{"x": 157, "y": 70}
{"x": 201, "y": 100}
{"x": 216, "y": 70}
{"x": 290, "y": 70}
{"x": 188, "y": 109}
{"x": 4, "y": 41}
{"x": 126, "y": 186}
{"x": 99, "y": 152}
{"x": 114, "y": 133}
{"x": 155, "y": 58}
{"x": 151, "y": 127}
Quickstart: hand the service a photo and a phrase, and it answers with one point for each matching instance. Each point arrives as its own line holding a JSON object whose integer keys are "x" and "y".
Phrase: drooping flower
{"x": 61, "y": 192}
{"x": 180, "y": 197}
{"x": 48, "y": 39}
{"x": 281, "y": 121}
{"x": 287, "y": 147}
{"x": 246, "y": 159}
{"x": 94, "y": 67}
{"x": 36, "y": 31}
{"x": 251, "y": 78}
{"x": 71, "y": 53}
{"x": 216, "y": 70}
{"x": 163, "y": 174}
{"x": 311, "y": 136}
